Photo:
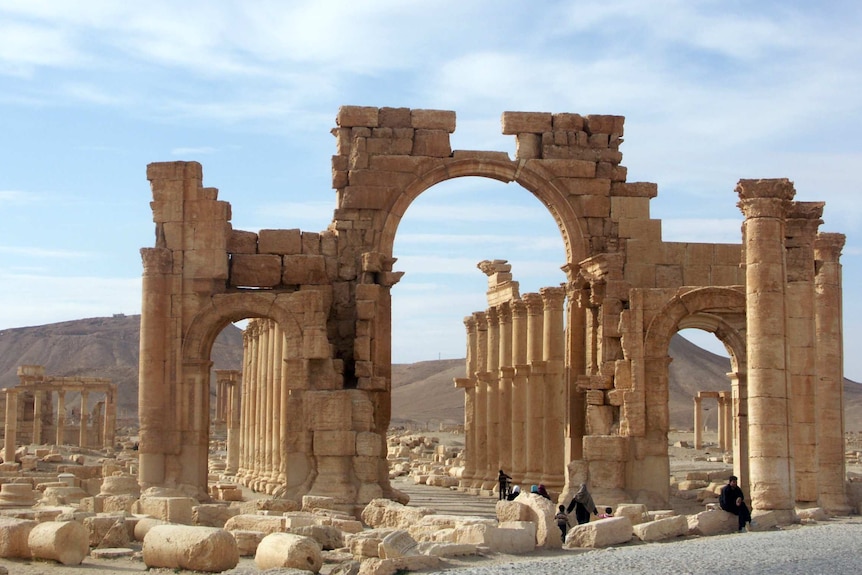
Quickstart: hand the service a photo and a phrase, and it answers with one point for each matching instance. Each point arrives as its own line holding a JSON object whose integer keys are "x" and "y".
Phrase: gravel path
{"x": 827, "y": 548}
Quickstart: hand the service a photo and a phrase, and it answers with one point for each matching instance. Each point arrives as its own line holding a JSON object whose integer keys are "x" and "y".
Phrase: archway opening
{"x": 441, "y": 238}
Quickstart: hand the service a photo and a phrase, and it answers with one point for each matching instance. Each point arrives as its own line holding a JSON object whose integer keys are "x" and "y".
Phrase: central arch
{"x": 523, "y": 172}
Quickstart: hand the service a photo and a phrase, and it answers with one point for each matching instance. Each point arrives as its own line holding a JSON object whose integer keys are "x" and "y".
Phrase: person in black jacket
{"x": 503, "y": 480}
{"x": 583, "y": 505}
{"x": 732, "y": 500}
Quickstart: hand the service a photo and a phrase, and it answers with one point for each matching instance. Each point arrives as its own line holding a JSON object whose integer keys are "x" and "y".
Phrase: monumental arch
{"x": 316, "y": 378}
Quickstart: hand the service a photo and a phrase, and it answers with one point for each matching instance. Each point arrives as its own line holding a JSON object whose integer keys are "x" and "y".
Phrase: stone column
{"x": 233, "y": 416}
{"x": 260, "y": 406}
{"x": 468, "y": 384}
{"x": 481, "y": 453}
{"x": 490, "y": 378}
{"x": 576, "y": 363}
{"x": 469, "y": 387}
{"x": 99, "y": 422}
{"x": 244, "y": 435}
{"x": 268, "y": 382}
{"x": 154, "y": 391}
{"x": 110, "y": 431}
{"x": 803, "y": 219}
{"x": 764, "y": 204}
{"x": 829, "y": 406}
{"x": 739, "y": 394}
{"x": 698, "y": 424}
{"x": 10, "y": 444}
{"x": 535, "y": 429}
{"x": 284, "y": 427}
{"x": 554, "y": 353}
{"x": 727, "y": 420}
{"x": 719, "y": 422}
{"x": 37, "y": 417}
{"x": 519, "y": 389}
{"x": 505, "y": 376}
{"x": 61, "y": 417}
{"x": 82, "y": 432}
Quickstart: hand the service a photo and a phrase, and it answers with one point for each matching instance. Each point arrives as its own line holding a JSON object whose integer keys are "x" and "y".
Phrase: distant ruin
{"x": 563, "y": 386}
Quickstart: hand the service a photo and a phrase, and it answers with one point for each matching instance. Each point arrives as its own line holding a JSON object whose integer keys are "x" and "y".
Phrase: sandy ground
{"x": 447, "y": 501}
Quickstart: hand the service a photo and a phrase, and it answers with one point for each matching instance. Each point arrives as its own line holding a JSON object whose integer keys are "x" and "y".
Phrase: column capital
{"x": 157, "y": 260}
{"x": 504, "y": 314}
{"x": 765, "y": 198}
{"x": 481, "y": 320}
{"x": 491, "y": 316}
{"x": 519, "y": 308}
{"x": 470, "y": 323}
{"x": 553, "y": 297}
{"x": 534, "y": 303}
{"x": 803, "y": 219}
{"x": 828, "y": 246}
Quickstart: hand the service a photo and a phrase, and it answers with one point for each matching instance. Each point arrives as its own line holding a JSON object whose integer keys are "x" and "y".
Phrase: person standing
{"x": 562, "y": 519}
{"x": 732, "y": 500}
{"x": 503, "y": 480}
{"x": 583, "y": 505}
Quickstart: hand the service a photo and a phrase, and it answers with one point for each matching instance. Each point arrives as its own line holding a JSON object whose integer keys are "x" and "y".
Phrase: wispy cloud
{"x": 203, "y": 150}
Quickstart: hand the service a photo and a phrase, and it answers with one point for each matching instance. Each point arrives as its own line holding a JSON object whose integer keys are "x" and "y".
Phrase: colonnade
{"x": 515, "y": 391}
{"x": 724, "y": 422}
{"x": 34, "y": 381}
{"x": 263, "y": 408}
{"x": 228, "y": 390}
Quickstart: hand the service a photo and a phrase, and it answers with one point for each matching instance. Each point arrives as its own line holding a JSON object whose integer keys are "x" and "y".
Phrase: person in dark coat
{"x": 583, "y": 505}
{"x": 503, "y": 480}
{"x": 732, "y": 500}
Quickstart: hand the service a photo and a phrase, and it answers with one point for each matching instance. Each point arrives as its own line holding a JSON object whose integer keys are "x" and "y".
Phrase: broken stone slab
{"x": 662, "y": 529}
{"x": 288, "y": 550}
{"x": 171, "y": 509}
{"x": 712, "y": 522}
{"x": 388, "y": 513}
{"x": 187, "y": 547}
{"x": 430, "y": 525}
{"x": 120, "y": 485}
{"x": 611, "y": 531}
{"x": 327, "y": 536}
{"x": 212, "y": 514}
{"x": 13, "y": 537}
{"x": 399, "y": 543}
{"x": 541, "y": 512}
{"x": 66, "y": 542}
{"x": 511, "y": 511}
{"x": 399, "y": 564}
{"x": 247, "y": 541}
{"x": 265, "y": 523}
{"x": 636, "y": 512}
{"x": 112, "y": 552}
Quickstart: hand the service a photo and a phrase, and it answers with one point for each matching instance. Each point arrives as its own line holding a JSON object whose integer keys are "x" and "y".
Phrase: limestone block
{"x": 282, "y": 242}
{"x": 515, "y": 537}
{"x": 263, "y": 523}
{"x": 606, "y": 448}
{"x": 212, "y": 515}
{"x": 65, "y": 542}
{"x": 636, "y": 512}
{"x": 54, "y": 496}
{"x": 533, "y": 122}
{"x": 662, "y": 528}
{"x": 247, "y": 541}
{"x": 369, "y": 444}
{"x": 712, "y": 522}
{"x": 99, "y": 525}
{"x": 170, "y": 509}
{"x": 511, "y": 511}
{"x": 194, "y": 548}
{"x": 334, "y": 443}
{"x": 242, "y": 242}
{"x": 313, "y": 502}
{"x": 428, "y": 526}
{"x": 116, "y": 503}
{"x": 433, "y": 120}
{"x": 304, "y": 270}
{"x": 255, "y": 270}
{"x": 350, "y": 116}
{"x": 812, "y": 514}
{"x": 611, "y": 531}
{"x": 604, "y": 124}
{"x": 327, "y": 536}
{"x": 399, "y": 543}
{"x": 299, "y": 519}
{"x": 116, "y": 537}
{"x": 288, "y": 550}
{"x": 387, "y": 513}
{"x": 542, "y": 513}
{"x": 433, "y": 143}
{"x": 13, "y": 537}
{"x": 17, "y": 495}
{"x": 439, "y": 549}
{"x": 120, "y": 485}
{"x": 399, "y": 565}
{"x": 365, "y": 546}
{"x": 600, "y": 418}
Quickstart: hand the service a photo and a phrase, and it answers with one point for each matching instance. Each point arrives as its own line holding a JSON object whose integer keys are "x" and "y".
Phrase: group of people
{"x": 731, "y": 499}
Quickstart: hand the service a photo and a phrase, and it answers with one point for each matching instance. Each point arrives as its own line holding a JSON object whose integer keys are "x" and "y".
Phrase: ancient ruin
{"x": 32, "y": 418}
{"x": 563, "y": 386}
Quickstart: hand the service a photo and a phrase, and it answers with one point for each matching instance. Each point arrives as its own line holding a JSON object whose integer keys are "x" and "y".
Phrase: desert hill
{"x": 423, "y": 393}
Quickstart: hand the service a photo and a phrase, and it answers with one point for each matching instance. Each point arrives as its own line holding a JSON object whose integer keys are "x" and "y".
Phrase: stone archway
{"x": 330, "y": 294}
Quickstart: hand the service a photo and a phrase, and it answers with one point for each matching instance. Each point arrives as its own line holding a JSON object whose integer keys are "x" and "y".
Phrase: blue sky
{"x": 713, "y": 91}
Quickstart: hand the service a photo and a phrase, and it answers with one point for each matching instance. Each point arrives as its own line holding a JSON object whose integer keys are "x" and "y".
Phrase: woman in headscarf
{"x": 583, "y": 505}
{"x": 515, "y": 492}
{"x": 541, "y": 490}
